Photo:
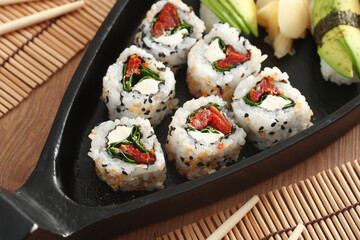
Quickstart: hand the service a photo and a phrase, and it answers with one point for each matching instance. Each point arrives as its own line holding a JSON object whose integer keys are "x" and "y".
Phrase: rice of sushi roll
{"x": 269, "y": 109}
{"x": 203, "y": 137}
{"x": 329, "y": 74}
{"x": 220, "y": 61}
{"x": 138, "y": 86}
{"x": 127, "y": 155}
{"x": 168, "y": 32}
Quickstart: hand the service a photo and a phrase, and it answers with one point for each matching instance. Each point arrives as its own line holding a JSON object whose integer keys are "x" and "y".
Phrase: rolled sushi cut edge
{"x": 119, "y": 173}
{"x": 206, "y": 149}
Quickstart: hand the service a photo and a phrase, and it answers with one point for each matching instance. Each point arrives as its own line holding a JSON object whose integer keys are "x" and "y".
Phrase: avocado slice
{"x": 235, "y": 16}
{"x": 221, "y": 13}
{"x": 352, "y": 44}
{"x": 334, "y": 53}
{"x": 240, "y": 14}
{"x": 246, "y": 9}
{"x": 341, "y": 46}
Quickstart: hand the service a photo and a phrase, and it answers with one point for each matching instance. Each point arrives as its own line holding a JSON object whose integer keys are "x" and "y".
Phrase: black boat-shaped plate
{"x": 64, "y": 195}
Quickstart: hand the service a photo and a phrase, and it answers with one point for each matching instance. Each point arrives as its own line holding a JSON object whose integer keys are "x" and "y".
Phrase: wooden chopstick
{"x": 297, "y": 232}
{"x": 234, "y": 219}
{"x": 7, "y": 2}
{"x": 39, "y": 17}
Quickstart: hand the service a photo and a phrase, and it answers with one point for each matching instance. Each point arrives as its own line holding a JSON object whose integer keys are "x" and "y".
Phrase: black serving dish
{"x": 64, "y": 195}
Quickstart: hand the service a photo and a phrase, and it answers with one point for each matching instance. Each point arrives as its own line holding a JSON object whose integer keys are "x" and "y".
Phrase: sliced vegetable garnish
{"x": 258, "y": 94}
{"x": 130, "y": 149}
{"x": 233, "y": 58}
{"x": 209, "y": 119}
{"x": 135, "y": 71}
{"x": 167, "y": 22}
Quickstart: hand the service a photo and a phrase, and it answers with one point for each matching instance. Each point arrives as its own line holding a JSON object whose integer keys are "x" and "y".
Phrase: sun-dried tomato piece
{"x": 137, "y": 156}
{"x": 212, "y": 117}
{"x": 232, "y": 57}
{"x": 168, "y": 17}
{"x": 132, "y": 66}
{"x": 219, "y": 122}
{"x": 201, "y": 119}
{"x": 265, "y": 87}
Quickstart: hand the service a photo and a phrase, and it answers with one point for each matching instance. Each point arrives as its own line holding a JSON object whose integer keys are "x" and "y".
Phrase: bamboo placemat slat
{"x": 327, "y": 204}
{"x": 30, "y": 56}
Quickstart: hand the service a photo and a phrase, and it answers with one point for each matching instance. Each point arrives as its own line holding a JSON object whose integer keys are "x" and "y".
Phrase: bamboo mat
{"x": 327, "y": 204}
{"x": 29, "y": 57}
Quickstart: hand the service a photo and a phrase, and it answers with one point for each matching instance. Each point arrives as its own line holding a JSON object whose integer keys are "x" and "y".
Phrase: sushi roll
{"x": 138, "y": 86}
{"x": 335, "y": 26}
{"x": 127, "y": 155}
{"x": 168, "y": 32}
{"x": 269, "y": 109}
{"x": 220, "y": 61}
{"x": 203, "y": 138}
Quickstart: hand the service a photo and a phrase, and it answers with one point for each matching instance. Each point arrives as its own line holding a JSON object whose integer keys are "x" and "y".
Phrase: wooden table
{"x": 28, "y": 126}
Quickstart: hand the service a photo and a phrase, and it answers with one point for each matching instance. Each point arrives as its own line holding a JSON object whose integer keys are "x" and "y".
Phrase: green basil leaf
{"x": 186, "y": 26}
{"x": 117, "y": 153}
{"x": 134, "y": 140}
{"x": 219, "y": 69}
{"x": 222, "y": 45}
{"x": 248, "y": 100}
{"x": 289, "y": 104}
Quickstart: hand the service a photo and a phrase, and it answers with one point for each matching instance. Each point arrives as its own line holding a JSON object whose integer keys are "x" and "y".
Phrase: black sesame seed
{"x": 118, "y": 110}
{"x": 122, "y": 104}
{"x": 125, "y": 173}
{"x": 150, "y": 100}
{"x": 200, "y": 164}
{"x": 161, "y": 54}
{"x": 171, "y": 92}
{"x": 158, "y": 110}
{"x": 143, "y": 109}
{"x": 104, "y": 165}
{"x": 275, "y": 141}
{"x": 182, "y": 159}
{"x": 107, "y": 99}
{"x": 164, "y": 108}
{"x": 246, "y": 115}
{"x": 261, "y": 128}
{"x": 273, "y": 124}
{"x": 271, "y": 133}
{"x": 290, "y": 131}
{"x": 187, "y": 164}
{"x": 282, "y": 127}
{"x": 191, "y": 157}
{"x": 145, "y": 100}
{"x": 285, "y": 122}
{"x": 276, "y": 120}
{"x": 147, "y": 112}
{"x": 212, "y": 90}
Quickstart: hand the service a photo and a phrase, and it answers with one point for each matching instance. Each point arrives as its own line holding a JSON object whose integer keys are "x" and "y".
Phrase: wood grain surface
{"x": 24, "y": 130}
